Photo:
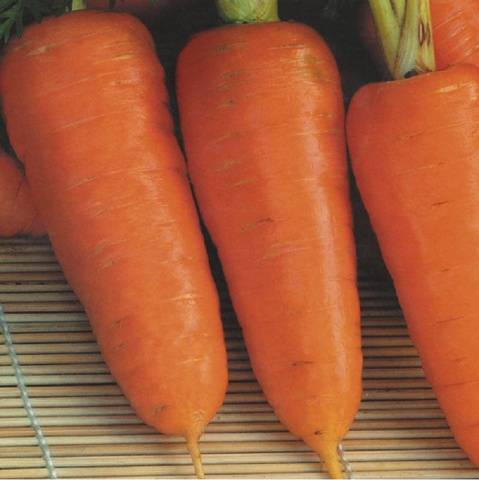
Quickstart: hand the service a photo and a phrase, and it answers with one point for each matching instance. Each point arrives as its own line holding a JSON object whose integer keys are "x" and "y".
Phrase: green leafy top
{"x": 14, "y": 14}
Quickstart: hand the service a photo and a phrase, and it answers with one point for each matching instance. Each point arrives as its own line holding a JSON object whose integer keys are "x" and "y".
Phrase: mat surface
{"x": 90, "y": 431}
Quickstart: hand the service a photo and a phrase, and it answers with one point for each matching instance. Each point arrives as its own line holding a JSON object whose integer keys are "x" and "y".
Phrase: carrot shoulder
{"x": 262, "y": 119}
{"x": 86, "y": 110}
{"x": 18, "y": 215}
{"x": 414, "y": 146}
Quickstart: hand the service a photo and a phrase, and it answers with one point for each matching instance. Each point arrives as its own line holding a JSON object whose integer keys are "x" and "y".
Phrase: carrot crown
{"x": 78, "y": 5}
{"x": 405, "y": 33}
{"x": 248, "y": 11}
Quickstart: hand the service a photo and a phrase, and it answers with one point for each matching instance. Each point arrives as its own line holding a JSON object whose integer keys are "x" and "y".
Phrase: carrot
{"x": 262, "y": 119}
{"x": 17, "y": 213}
{"x": 86, "y": 110}
{"x": 455, "y": 27}
{"x": 413, "y": 145}
{"x": 456, "y": 31}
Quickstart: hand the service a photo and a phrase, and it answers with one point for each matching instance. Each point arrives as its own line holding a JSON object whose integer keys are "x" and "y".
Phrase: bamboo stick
{"x": 81, "y": 371}
{"x": 251, "y": 468}
{"x": 391, "y": 351}
{"x": 236, "y": 404}
{"x": 78, "y": 433}
{"x": 29, "y": 267}
{"x": 449, "y": 458}
{"x": 86, "y": 414}
{"x": 398, "y": 449}
{"x": 37, "y": 297}
{"x": 43, "y": 317}
{"x": 34, "y": 287}
{"x": 43, "y": 256}
{"x": 23, "y": 473}
{"x": 239, "y": 363}
{"x": 228, "y": 423}
{"x": 233, "y": 337}
{"x": 19, "y": 462}
{"x": 162, "y": 452}
{"x": 131, "y": 434}
{"x": 29, "y": 276}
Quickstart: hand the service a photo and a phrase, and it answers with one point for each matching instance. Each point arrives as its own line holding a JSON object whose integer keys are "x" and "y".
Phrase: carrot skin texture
{"x": 414, "y": 150}
{"x": 107, "y": 174}
{"x": 456, "y": 31}
{"x": 263, "y": 123}
{"x": 17, "y": 213}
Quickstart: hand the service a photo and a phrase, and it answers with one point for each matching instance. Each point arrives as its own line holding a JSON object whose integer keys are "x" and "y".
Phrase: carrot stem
{"x": 78, "y": 5}
{"x": 248, "y": 11}
{"x": 405, "y": 33}
{"x": 193, "y": 448}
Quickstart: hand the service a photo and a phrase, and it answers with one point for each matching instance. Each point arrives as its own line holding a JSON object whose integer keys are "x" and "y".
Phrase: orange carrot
{"x": 17, "y": 213}
{"x": 414, "y": 147}
{"x": 455, "y": 26}
{"x": 262, "y": 119}
{"x": 86, "y": 110}
{"x": 456, "y": 31}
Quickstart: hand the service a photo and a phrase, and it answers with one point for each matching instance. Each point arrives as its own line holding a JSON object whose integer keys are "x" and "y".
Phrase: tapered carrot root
{"x": 17, "y": 213}
{"x": 327, "y": 449}
{"x": 414, "y": 146}
{"x": 86, "y": 110}
{"x": 262, "y": 120}
{"x": 193, "y": 448}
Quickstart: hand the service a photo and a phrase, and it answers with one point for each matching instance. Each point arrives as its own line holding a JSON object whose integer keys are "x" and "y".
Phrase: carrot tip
{"x": 193, "y": 448}
{"x": 327, "y": 449}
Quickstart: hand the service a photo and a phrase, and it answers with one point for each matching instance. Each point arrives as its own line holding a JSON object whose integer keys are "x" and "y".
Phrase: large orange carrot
{"x": 262, "y": 118}
{"x": 87, "y": 111}
{"x": 455, "y": 27}
{"x": 414, "y": 146}
{"x": 17, "y": 213}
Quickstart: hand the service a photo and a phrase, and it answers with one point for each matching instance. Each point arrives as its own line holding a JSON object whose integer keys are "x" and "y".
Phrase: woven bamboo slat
{"x": 92, "y": 432}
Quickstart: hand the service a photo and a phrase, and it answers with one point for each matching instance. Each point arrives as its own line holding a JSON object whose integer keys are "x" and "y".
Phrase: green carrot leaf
{"x": 15, "y": 14}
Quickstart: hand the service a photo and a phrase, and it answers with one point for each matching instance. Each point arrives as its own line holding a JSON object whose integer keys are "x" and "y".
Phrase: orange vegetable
{"x": 17, "y": 213}
{"x": 414, "y": 146}
{"x": 86, "y": 110}
{"x": 456, "y": 31}
{"x": 262, "y": 119}
{"x": 455, "y": 26}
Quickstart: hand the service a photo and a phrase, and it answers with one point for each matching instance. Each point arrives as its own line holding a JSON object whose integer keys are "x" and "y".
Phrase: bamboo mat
{"x": 90, "y": 431}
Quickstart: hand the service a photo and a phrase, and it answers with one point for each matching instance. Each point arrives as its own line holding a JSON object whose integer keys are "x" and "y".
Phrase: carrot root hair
{"x": 327, "y": 449}
{"x": 194, "y": 449}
